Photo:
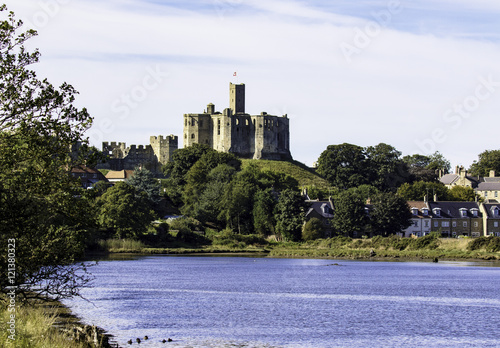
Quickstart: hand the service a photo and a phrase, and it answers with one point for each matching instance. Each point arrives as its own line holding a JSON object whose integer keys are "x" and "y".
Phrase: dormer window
{"x": 463, "y": 212}
{"x": 414, "y": 211}
{"x": 425, "y": 211}
{"x": 474, "y": 212}
{"x": 437, "y": 212}
{"x": 494, "y": 211}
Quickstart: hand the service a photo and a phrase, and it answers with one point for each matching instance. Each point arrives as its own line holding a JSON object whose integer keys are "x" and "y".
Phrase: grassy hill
{"x": 303, "y": 174}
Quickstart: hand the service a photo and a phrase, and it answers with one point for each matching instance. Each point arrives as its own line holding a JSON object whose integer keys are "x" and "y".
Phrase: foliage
{"x": 489, "y": 244}
{"x": 39, "y": 206}
{"x": 313, "y": 229}
{"x": 418, "y": 167}
{"x": 418, "y": 190}
{"x": 345, "y": 165}
{"x": 438, "y": 161}
{"x": 263, "y": 217}
{"x": 143, "y": 180}
{"x": 125, "y": 211}
{"x": 350, "y": 215}
{"x": 290, "y": 213}
{"x": 462, "y": 194}
{"x": 186, "y": 223}
{"x": 390, "y": 171}
{"x": 390, "y": 214}
{"x": 488, "y": 160}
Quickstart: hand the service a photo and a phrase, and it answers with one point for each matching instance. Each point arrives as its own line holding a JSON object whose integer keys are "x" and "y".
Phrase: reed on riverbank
{"x": 393, "y": 247}
{"x": 47, "y": 324}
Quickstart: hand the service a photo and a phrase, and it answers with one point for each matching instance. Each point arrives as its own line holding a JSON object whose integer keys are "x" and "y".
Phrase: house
{"x": 460, "y": 178}
{"x": 115, "y": 176}
{"x": 485, "y": 187}
{"x": 323, "y": 210}
{"x": 420, "y": 221}
{"x": 455, "y": 219}
{"x": 491, "y": 219}
{"x": 87, "y": 176}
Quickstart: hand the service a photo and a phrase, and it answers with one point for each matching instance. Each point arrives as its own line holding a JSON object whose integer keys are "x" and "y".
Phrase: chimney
{"x": 425, "y": 199}
{"x": 435, "y": 197}
{"x": 492, "y": 173}
{"x": 457, "y": 170}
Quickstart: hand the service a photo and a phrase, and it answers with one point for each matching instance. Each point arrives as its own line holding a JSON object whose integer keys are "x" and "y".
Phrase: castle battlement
{"x": 233, "y": 130}
{"x": 152, "y": 156}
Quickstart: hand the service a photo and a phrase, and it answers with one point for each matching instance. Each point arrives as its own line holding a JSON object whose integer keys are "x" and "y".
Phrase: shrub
{"x": 489, "y": 244}
{"x": 313, "y": 229}
{"x": 430, "y": 241}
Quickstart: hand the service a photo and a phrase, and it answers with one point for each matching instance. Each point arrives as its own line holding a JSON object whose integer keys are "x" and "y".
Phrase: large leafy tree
{"x": 263, "y": 212}
{"x": 350, "y": 214}
{"x": 345, "y": 165}
{"x": 290, "y": 214}
{"x": 390, "y": 214}
{"x": 417, "y": 191}
{"x": 125, "y": 211}
{"x": 488, "y": 160}
{"x": 389, "y": 170}
{"x": 42, "y": 217}
{"x": 144, "y": 180}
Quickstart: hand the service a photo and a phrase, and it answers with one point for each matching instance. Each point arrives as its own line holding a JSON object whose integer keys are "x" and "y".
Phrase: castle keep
{"x": 152, "y": 156}
{"x": 248, "y": 136}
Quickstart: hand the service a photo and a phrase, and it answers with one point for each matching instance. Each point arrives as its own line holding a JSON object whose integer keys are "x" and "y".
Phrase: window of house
{"x": 192, "y": 136}
{"x": 445, "y": 224}
{"x": 436, "y": 224}
{"x": 426, "y": 222}
{"x": 465, "y": 223}
{"x": 415, "y": 222}
{"x": 84, "y": 175}
{"x": 192, "y": 122}
{"x": 425, "y": 211}
{"x": 437, "y": 211}
{"x": 454, "y": 224}
{"x": 495, "y": 224}
{"x": 476, "y": 224}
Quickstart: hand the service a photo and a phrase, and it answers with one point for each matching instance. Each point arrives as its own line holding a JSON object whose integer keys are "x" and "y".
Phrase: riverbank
{"x": 378, "y": 248}
{"x": 48, "y": 324}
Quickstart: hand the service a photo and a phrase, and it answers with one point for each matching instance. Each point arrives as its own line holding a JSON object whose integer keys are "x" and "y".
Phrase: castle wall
{"x": 260, "y": 136}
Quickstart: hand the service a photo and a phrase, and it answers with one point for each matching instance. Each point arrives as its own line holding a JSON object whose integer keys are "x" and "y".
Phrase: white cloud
{"x": 396, "y": 89}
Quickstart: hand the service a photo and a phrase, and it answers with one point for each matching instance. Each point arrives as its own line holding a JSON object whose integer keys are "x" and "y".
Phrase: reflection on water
{"x": 263, "y": 302}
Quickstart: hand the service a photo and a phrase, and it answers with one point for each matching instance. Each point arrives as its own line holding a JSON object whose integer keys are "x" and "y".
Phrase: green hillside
{"x": 303, "y": 174}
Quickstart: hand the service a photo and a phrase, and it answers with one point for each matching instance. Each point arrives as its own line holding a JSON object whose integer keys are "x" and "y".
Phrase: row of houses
{"x": 486, "y": 187}
{"x": 451, "y": 219}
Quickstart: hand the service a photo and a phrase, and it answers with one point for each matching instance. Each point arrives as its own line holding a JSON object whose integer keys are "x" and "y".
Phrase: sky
{"x": 420, "y": 75}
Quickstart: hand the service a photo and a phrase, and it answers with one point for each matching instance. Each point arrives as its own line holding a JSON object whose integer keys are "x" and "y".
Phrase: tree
{"x": 420, "y": 189}
{"x": 488, "y": 160}
{"x": 350, "y": 214}
{"x": 418, "y": 167}
{"x": 390, "y": 171}
{"x": 43, "y": 220}
{"x": 313, "y": 229}
{"x": 390, "y": 214}
{"x": 143, "y": 180}
{"x": 345, "y": 165}
{"x": 290, "y": 213}
{"x": 462, "y": 194}
{"x": 263, "y": 217}
{"x": 125, "y": 211}
{"x": 438, "y": 161}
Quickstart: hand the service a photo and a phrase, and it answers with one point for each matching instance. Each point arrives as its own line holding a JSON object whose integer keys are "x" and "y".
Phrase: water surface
{"x": 265, "y": 302}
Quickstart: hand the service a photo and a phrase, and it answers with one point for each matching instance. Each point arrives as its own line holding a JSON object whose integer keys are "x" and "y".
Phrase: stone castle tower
{"x": 248, "y": 136}
{"x": 152, "y": 156}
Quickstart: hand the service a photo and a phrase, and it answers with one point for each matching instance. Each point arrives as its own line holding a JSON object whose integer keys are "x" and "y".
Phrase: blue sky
{"x": 422, "y": 76}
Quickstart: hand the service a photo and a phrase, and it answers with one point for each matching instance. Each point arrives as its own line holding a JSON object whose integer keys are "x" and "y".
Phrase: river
{"x": 266, "y": 302}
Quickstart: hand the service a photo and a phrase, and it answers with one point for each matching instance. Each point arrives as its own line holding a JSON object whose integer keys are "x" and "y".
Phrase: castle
{"x": 152, "y": 156}
{"x": 248, "y": 136}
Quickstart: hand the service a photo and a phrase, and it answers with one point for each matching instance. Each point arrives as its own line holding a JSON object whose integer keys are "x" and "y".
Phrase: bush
{"x": 431, "y": 241}
{"x": 313, "y": 229}
{"x": 185, "y": 223}
{"x": 489, "y": 244}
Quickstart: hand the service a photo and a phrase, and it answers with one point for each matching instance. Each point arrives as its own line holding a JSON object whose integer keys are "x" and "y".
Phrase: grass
{"x": 39, "y": 325}
{"x": 121, "y": 245}
{"x": 303, "y": 174}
